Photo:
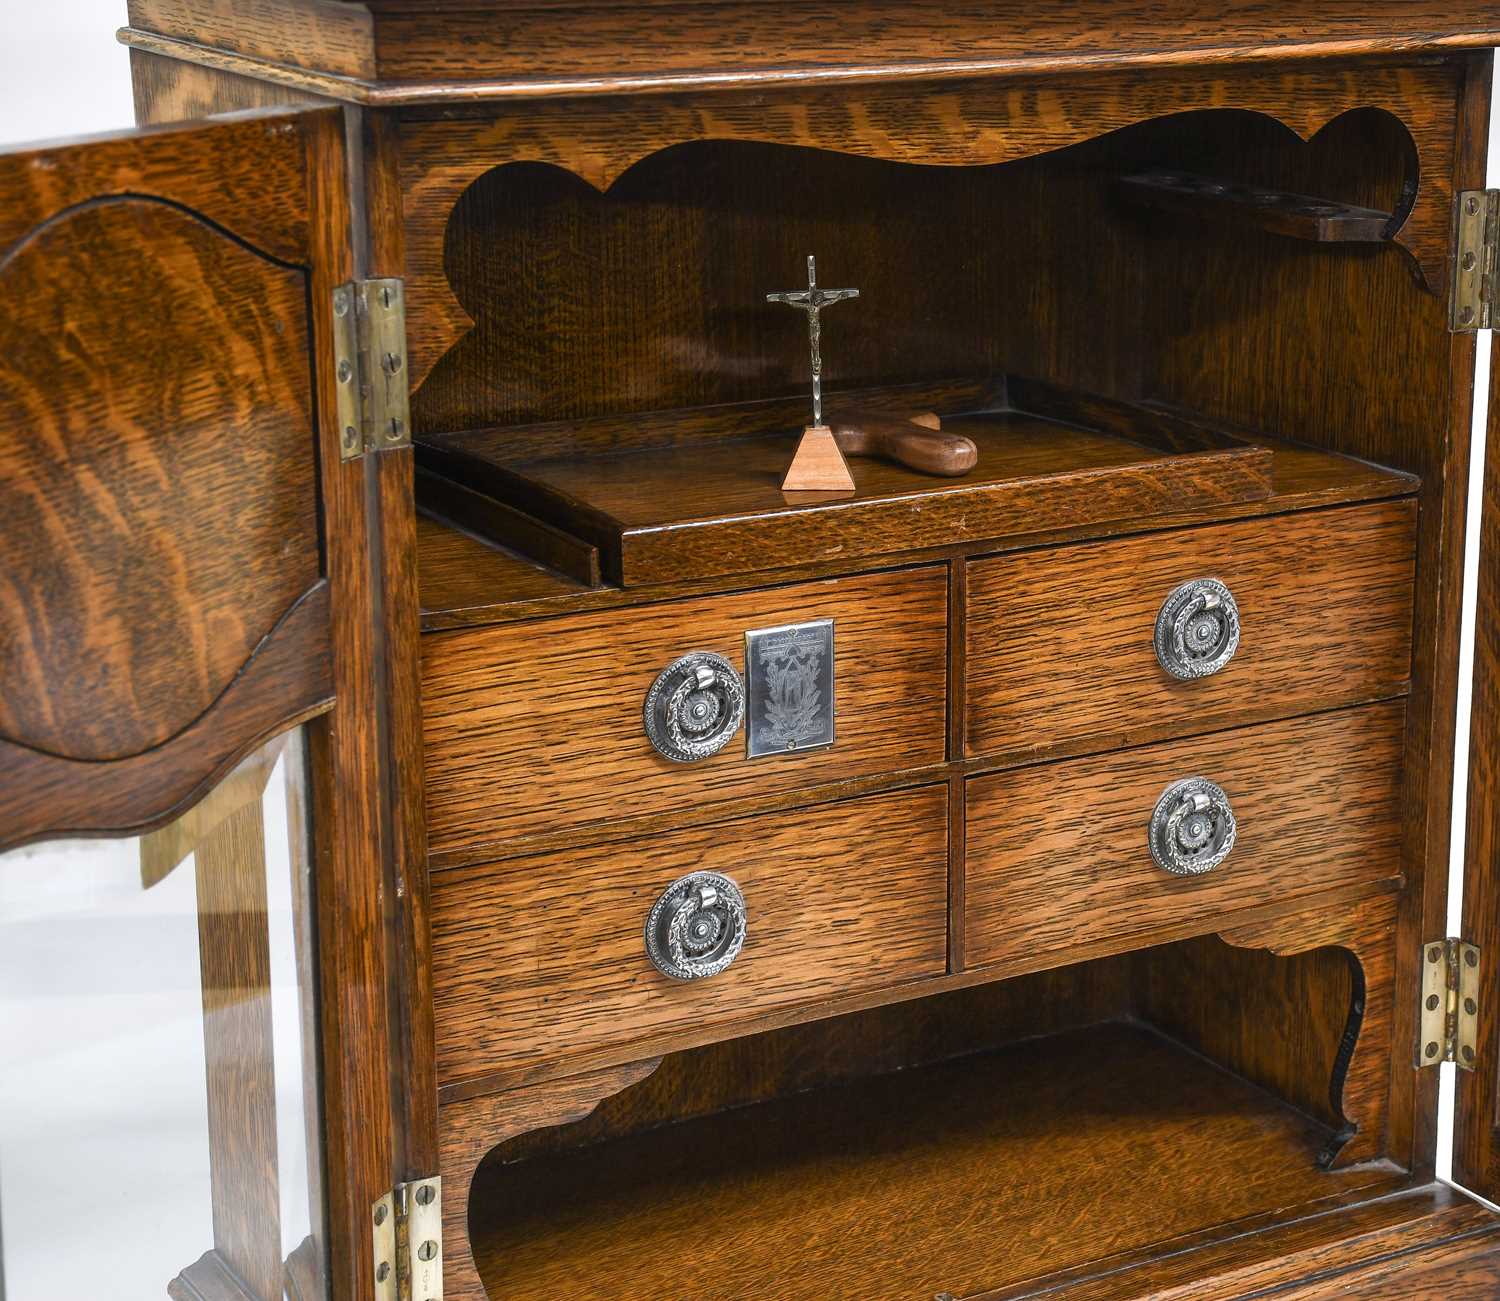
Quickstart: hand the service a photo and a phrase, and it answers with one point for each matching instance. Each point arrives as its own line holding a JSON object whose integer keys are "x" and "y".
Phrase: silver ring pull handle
{"x": 697, "y": 926}
{"x": 1192, "y": 827}
{"x": 1198, "y": 629}
{"x": 694, "y": 707}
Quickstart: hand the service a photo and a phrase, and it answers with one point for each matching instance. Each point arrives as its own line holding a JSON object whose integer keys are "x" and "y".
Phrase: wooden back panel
{"x": 163, "y": 606}
{"x": 643, "y": 288}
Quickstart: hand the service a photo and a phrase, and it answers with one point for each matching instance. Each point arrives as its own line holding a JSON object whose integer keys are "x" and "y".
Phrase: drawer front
{"x": 1060, "y": 643}
{"x": 543, "y": 956}
{"x": 1058, "y": 855}
{"x": 535, "y": 728}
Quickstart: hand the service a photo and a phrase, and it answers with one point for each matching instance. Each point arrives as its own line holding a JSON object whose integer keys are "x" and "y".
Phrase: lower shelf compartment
{"x": 960, "y": 1177}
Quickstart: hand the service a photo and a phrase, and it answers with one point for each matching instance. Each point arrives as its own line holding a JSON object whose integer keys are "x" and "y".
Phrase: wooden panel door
{"x": 163, "y": 606}
{"x": 191, "y": 571}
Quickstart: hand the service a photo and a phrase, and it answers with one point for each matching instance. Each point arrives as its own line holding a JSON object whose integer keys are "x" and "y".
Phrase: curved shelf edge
{"x": 286, "y": 682}
{"x": 1357, "y": 1087}
{"x": 474, "y": 1127}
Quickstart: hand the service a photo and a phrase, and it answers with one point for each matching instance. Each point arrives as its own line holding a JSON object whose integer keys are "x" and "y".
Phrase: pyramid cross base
{"x": 819, "y": 465}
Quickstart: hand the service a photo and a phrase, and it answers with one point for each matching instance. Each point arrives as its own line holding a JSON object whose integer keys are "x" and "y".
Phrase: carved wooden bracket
{"x": 1357, "y": 1089}
{"x": 472, "y": 1128}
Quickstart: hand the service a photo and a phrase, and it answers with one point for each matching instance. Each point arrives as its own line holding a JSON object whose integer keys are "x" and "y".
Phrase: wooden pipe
{"x": 915, "y": 443}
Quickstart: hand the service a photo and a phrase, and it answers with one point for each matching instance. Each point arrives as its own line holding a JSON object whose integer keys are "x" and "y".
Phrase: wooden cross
{"x": 813, "y": 300}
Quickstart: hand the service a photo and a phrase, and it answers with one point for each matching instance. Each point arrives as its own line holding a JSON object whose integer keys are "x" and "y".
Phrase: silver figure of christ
{"x": 813, "y": 300}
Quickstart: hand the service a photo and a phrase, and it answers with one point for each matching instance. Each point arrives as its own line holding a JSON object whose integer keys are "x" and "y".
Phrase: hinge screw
{"x": 380, "y": 1214}
{"x": 393, "y": 434}
{"x": 384, "y": 1272}
{"x": 392, "y": 362}
{"x": 346, "y": 371}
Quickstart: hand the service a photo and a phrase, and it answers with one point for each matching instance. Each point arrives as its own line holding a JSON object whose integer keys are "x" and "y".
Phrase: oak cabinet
{"x": 1024, "y": 881}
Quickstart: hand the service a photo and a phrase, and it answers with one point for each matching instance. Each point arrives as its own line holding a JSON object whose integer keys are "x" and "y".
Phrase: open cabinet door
{"x": 186, "y": 569}
{"x": 1476, "y": 1140}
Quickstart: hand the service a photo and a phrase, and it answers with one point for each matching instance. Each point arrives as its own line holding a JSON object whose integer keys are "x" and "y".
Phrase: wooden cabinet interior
{"x": 601, "y": 401}
{"x": 605, "y": 372}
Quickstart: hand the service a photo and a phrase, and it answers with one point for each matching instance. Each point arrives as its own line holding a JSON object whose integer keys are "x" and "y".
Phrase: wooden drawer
{"x": 1057, "y": 854}
{"x": 1059, "y": 643}
{"x": 534, "y": 728}
{"x": 544, "y": 955}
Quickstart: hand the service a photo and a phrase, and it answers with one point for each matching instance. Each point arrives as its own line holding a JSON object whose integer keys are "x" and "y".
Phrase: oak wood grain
{"x": 528, "y": 730}
{"x": 164, "y": 608}
{"x": 1463, "y": 1268}
{"x": 170, "y": 90}
{"x": 662, "y": 516}
{"x": 467, "y": 580}
{"x": 156, "y": 453}
{"x": 466, "y": 52}
{"x": 246, "y": 173}
{"x": 747, "y": 184}
{"x": 1397, "y": 391}
{"x": 1297, "y": 216}
{"x": 1319, "y": 1252}
{"x": 692, "y": 511}
{"x": 355, "y": 871}
{"x": 1313, "y": 995}
{"x": 601, "y": 1106}
{"x": 471, "y": 1129}
{"x": 1476, "y": 1149}
{"x": 698, "y": 1034}
{"x": 1057, "y": 854}
{"x": 287, "y": 683}
{"x": 239, "y": 1053}
{"x": 950, "y": 1178}
{"x": 320, "y": 35}
{"x": 831, "y": 906}
{"x": 1060, "y": 642}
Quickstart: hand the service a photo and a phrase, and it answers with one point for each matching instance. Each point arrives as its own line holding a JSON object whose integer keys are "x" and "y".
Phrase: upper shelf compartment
{"x": 626, "y": 400}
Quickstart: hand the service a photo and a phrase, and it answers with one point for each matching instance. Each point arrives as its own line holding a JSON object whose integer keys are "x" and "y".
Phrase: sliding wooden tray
{"x": 673, "y": 503}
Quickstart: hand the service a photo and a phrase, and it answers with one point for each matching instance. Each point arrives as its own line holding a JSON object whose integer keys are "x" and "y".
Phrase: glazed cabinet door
{"x": 1476, "y": 1142}
{"x": 168, "y": 600}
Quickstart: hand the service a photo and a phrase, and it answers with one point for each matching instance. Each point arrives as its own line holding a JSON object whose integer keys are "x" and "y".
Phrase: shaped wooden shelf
{"x": 1298, "y": 216}
{"x": 684, "y": 505}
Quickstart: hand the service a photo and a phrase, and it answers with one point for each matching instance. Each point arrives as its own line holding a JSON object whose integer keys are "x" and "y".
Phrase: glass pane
{"x": 158, "y": 1113}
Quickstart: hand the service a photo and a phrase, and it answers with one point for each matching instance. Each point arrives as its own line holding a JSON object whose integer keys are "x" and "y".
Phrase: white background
{"x": 62, "y": 73}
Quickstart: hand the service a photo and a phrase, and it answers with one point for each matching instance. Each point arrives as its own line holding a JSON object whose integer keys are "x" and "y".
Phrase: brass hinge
{"x": 408, "y": 1238}
{"x": 369, "y": 366}
{"x": 1474, "y": 291}
{"x": 1450, "y": 1004}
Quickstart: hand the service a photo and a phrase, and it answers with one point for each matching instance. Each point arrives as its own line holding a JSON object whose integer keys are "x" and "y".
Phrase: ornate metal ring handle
{"x": 694, "y": 707}
{"x": 1192, "y": 827}
{"x": 697, "y": 927}
{"x": 1198, "y": 629}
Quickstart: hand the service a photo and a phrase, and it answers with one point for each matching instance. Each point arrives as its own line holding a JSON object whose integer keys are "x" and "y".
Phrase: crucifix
{"x": 813, "y": 300}
{"x": 818, "y": 466}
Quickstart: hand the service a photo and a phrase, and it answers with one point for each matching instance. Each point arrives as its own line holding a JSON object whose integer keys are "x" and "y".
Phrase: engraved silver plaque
{"x": 788, "y": 688}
